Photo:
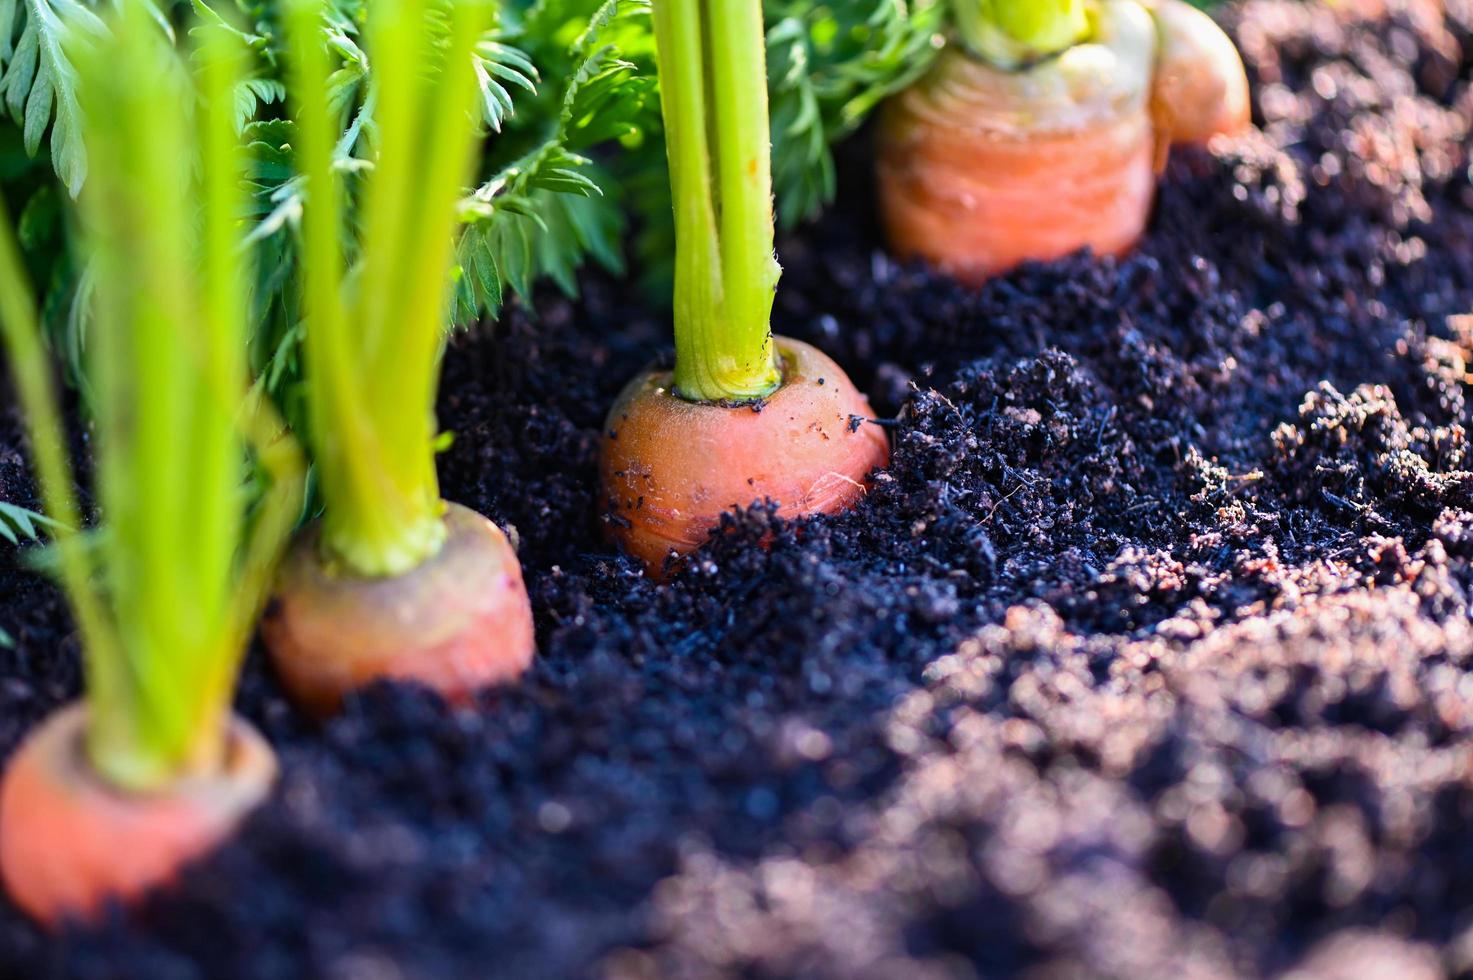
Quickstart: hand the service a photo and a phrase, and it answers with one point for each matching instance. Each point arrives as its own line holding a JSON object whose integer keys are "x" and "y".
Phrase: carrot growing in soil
{"x": 393, "y": 582}
{"x": 1041, "y": 131}
{"x": 744, "y": 415}
{"x": 110, "y": 796}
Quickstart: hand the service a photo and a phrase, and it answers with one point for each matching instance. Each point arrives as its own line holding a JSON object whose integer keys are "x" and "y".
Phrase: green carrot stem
{"x": 374, "y": 337}
{"x": 257, "y": 426}
{"x": 31, "y": 371}
{"x": 713, "y": 91}
{"x": 160, "y": 214}
{"x": 360, "y": 527}
{"x": 169, "y": 461}
{"x": 1014, "y": 33}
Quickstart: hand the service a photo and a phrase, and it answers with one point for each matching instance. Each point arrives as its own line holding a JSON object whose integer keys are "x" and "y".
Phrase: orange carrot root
{"x": 458, "y": 623}
{"x": 69, "y": 843}
{"x": 981, "y": 169}
{"x": 670, "y": 467}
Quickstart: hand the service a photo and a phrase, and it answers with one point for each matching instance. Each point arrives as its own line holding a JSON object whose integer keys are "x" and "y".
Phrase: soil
{"x": 1148, "y": 656}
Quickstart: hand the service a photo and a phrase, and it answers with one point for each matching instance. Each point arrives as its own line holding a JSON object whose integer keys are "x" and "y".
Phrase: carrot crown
{"x": 713, "y": 90}
{"x": 1014, "y": 33}
{"x": 374, "y": 322}
{"x": 167, "y": 592}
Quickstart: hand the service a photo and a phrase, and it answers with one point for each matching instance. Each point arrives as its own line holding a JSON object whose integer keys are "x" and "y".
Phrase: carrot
{"x": 70, "y": 842}
{"x": 457, "y": 622}
{"x": 110, "y": 797}
{"x": 1028, "y": 142}
{"x": 393, "y": 582}
{"x": 673, "y": 466}
{"x": 740, "y": 417}
{"x": 1200, "y": 88}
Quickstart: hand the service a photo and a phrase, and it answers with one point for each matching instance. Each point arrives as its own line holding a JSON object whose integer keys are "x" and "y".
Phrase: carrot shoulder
{"x": 743, "y": 416}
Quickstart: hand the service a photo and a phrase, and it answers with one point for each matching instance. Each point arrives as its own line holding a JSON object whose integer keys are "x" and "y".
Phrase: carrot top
{"x": 713, "y": 89}
{"x": 1013, "y": 33}
{"x": 374, "y": 331}
{"x": 167, "y": 592}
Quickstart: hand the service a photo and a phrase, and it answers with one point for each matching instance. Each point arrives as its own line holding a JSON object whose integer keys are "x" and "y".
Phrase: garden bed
{"x": 1147, "y": 655}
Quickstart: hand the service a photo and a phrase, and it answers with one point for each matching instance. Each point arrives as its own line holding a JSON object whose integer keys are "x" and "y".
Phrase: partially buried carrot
{"x": 459, "y": 621}
{"x": 1040, "y": 132}
{"x": 113, "y": 796}
{"x": 744, "y": 416}
{"x": 70, "y": 841}
{"x": 393, "y": 583}
{"x": 672, "y": 466}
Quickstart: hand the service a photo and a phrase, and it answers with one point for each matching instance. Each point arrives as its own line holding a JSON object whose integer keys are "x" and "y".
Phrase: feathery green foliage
{"x": 560, "y": 84}
{"x": 374, "y": 316}
{"x": 551, "y": 85}
{"x": 829, "y": 66}
{"x": 167, "y": 596}
{"x": 19, "y": 523}
{"x": 547, "y": 206}
{"x": 37, "y": 81}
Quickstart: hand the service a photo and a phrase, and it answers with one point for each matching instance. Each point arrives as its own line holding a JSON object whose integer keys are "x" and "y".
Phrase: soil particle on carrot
{"x": 1147, "y": 655}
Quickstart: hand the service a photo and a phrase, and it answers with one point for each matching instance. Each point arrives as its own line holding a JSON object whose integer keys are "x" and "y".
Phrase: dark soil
{"x": 1149, "y": 656}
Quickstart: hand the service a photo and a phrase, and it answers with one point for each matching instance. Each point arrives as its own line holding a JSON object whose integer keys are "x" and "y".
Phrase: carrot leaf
{"x": 829, "y": 66}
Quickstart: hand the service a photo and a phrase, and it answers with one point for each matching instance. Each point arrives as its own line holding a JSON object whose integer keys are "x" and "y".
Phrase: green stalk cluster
{"x": 713, "y": 90}
{"x": 1014, "y": 33}
{"x": 167, "y": 592}
{"x": 374, "y": 332}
